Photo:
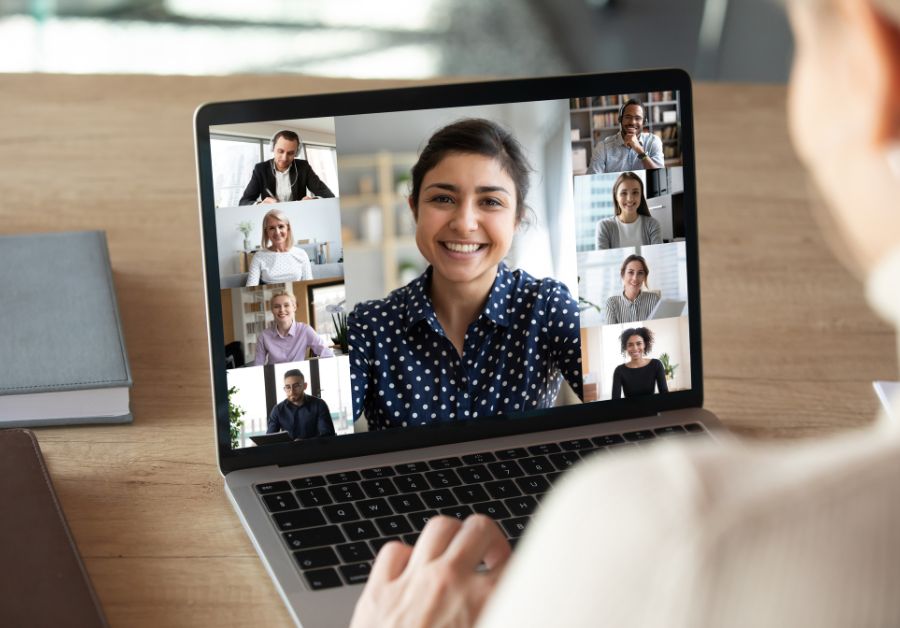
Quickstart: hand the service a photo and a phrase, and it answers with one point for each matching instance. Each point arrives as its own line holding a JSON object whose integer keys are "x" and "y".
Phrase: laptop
{"x": 333, "y": 292}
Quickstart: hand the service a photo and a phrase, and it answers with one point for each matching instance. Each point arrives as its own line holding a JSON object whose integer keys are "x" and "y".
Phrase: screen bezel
{"x": 435, "y": 97}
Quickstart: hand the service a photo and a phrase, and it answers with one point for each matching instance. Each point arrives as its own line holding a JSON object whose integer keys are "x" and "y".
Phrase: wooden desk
{"x": 790, "y": 349}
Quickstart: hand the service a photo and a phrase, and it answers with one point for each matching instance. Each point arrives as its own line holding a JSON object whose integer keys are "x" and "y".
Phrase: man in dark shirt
{"x": 300, "y": 415}
{"x": 285, "y": 177}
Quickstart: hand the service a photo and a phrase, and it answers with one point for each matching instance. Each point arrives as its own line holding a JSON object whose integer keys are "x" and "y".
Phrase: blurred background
{"x": 723, "y": 40}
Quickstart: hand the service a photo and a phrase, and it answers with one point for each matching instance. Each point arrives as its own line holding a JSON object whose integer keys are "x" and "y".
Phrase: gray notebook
{"x": 62, "y": 353}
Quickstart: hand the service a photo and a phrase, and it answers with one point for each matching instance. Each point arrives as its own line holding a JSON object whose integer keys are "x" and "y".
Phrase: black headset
{"x": 630, "y": 101}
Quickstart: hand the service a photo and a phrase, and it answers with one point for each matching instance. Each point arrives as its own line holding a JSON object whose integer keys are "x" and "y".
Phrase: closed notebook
{"x": 62, "y": 353}
{"x": 42, "y": 579}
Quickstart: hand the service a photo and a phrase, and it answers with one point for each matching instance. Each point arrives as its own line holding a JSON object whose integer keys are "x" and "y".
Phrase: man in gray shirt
{"x": 630, "y": 148}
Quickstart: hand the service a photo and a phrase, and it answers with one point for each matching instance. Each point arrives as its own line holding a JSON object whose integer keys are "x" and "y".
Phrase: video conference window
{"x": 479, "y": 261}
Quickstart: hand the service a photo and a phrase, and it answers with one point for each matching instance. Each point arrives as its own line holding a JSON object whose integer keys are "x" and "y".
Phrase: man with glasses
{"x": 300, "y": 415}
{"x": 630, "y": 148}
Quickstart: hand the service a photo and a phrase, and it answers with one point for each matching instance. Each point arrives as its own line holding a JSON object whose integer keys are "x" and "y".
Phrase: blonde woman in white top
{"x": 278, "y": 261}
{"x": 726, "y": 535}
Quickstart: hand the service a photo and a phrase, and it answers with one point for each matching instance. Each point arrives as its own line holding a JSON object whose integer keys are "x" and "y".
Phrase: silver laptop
{"x": 344, "y": 235}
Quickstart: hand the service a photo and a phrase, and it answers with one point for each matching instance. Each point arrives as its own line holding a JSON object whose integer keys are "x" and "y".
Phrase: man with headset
{"x": 630, "y": 148}
{"x": 284, "y": 177}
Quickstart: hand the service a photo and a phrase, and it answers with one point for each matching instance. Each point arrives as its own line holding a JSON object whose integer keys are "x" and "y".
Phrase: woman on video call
{"x": 278, "y": 261}
{"x": 640, "y": 374}
{"x": 730, "y": 535}
{"x": 470, "y": 337}
{"x": 287, "y": 339}
{"x": 635, "y": 303}
{"x": 632, "y": 225}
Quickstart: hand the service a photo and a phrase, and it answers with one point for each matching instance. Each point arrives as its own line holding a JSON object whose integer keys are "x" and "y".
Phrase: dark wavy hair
{"x": 643, "y": 332}
{"x": 480, "y": 137}
{"x": 643, "y": 209}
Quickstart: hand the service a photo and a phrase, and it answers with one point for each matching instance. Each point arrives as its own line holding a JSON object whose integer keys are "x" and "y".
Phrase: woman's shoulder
{"x": 296, "y": 251}
{"x": 396, "y": 300}
{"x": 543, "y": 287}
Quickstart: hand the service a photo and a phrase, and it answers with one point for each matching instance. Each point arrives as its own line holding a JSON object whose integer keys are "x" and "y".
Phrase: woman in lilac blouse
{"x": 287, "y": 340}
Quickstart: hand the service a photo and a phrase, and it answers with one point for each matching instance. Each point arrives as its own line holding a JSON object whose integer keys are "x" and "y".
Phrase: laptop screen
{"x": 448, "y": 266}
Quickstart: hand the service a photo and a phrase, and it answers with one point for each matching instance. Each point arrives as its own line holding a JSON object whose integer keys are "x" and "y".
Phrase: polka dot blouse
{"x": 405, "y": 371}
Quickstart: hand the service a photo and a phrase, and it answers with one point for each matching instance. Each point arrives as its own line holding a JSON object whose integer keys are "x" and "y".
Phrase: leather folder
{"x": 42, "y": 579}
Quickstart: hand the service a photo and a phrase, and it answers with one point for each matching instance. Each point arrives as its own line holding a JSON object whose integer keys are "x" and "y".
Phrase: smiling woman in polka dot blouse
{"x": 470, "y": 337}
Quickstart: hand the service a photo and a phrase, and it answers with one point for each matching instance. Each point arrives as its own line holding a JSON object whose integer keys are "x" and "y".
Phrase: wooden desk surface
{"x": 790, "y": 349}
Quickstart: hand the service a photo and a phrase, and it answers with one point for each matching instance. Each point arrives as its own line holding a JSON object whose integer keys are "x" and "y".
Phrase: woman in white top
{"x": 278, "y": 261}
{"x": 634, "y": 303}
{"x": 632, "y": 225}
{"x": 728, "y": 535}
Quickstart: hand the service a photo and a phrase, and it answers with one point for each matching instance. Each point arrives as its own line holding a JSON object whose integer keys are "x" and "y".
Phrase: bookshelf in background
{"x": 594, "y": 118}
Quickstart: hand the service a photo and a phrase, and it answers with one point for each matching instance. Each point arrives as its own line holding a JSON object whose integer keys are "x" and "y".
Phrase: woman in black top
{"x": 640, "y": 373}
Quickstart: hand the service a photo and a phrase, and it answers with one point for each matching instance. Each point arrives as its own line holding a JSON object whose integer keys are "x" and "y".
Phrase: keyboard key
{"x": 410, "y": 539}
{"x": 515, "y": 527}
{"x": 552, "y": 477}
{"x": 638, "y": 435}
{"x": 395, "y": 524}
{"x": 349, "y": 492}
{"x": 443, "y": 479}
{"x": 670, "y": 430}
{"x": 481, "y": 458}
{"x": 377, "y": 544}
{"x": 475, "y": 474}
{"x": 533, "y": 484}
{"x": 360, "y": 530}
{"x": 564, "y": 460}
{"x": 314, "y": 558}
{"x": 353, "y": 552}
{"x": 470, "y": 494}
{"x": 379, "y": 488}
{"x": 280, "y": 502}
{"x": 341, "y": 513}
{"x": 501, "y": 489}
{"x": 310, "y": 482}
{"x": 537, "y": 465}
{"x": 440, "y": 498}
{"x": 272, "y": 487}
{"x": 576, "y": 445}
{"x": 377, "y": 472}
{"x": 511, "y": 453}
{"x": 419, "y": 519}
{"x": 322, "y": 579}
{"x": 494, "y": 510}
{"x": 411, "y": 483}
{"x": 342, "y": 477}
{"x": 445, "y": 463}
{"x": 521, "y": 506}
{"x": 372, "y": 508}
{"x": 460, "y": 512}
{"x": 406, "y": 503}
{"x": 410, "y": 467}
{"x": 357, "y": 573}
{"x": 299, "y": 519}
{"x": 312, "y": 497}
{"x": 314, "y": 537}
{"x": 543, "y": 450}
{"x": 609, "y": 439}
{"x": 621, "y": 447}
{"x": 694, "y": 428}
{"x": 506, "y": 469}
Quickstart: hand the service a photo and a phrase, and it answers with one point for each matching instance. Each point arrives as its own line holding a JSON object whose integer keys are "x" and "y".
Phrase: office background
{"x": 728, "y": 40}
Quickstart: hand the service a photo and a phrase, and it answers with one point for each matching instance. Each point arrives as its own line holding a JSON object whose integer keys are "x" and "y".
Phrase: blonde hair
{"x": 282, "y": 294}
{"x": 279, "y": 215}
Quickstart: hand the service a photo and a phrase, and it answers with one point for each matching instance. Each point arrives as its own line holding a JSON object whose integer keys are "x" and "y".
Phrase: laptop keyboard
{"x": 335, "y": 524}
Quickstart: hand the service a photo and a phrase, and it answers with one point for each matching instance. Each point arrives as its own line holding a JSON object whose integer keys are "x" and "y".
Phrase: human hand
{"x": 268, "y": 200}
{"x": 434, "y": 583}
{"x": 631, "y": 140}
{"x": 307, "y": 198}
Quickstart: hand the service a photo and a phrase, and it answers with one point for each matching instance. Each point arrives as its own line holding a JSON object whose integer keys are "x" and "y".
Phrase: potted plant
{"x": 235, "y": 422}
{"x": 668, "y": 367}
{"x": 246, "y": 228}
{"x": 339, "y": 319}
